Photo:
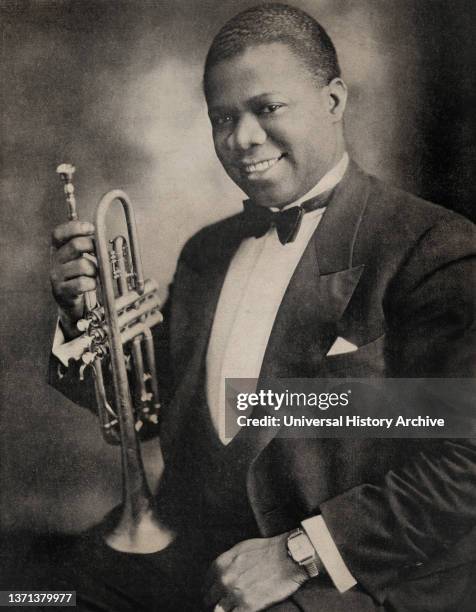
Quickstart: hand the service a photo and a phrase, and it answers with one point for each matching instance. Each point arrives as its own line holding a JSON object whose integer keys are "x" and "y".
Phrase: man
{"x": 384, "y": 524}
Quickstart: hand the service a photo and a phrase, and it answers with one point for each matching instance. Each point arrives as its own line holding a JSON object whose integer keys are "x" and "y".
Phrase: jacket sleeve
{"x": 426, "y": 506}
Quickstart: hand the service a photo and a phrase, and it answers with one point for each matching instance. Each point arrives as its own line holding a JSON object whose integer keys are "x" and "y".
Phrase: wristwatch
{"x": 301, "y": 550}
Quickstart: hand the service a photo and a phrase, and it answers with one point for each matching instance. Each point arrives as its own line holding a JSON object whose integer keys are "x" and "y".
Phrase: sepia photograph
{"x": 237, "y": 328}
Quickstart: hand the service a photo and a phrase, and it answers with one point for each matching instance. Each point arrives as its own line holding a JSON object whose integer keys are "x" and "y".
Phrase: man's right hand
{"x": 71, "y": 274}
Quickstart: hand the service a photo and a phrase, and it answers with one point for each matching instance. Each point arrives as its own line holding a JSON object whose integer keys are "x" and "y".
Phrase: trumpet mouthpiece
{"x": 66, "y": 171}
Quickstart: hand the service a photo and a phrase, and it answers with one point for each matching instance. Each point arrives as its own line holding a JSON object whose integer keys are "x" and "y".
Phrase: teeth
{"x": 261, "y": 166}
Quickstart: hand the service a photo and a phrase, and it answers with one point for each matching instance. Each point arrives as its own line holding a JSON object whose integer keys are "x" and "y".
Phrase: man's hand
{"x": 71, "y": 274}
{"x": 252, "y": 576}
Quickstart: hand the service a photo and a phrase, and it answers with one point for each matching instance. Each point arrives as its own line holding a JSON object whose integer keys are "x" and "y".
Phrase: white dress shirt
{"x": 254, "y": 287}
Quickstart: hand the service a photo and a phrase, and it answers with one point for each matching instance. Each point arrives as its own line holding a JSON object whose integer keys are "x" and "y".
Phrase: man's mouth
{"x": 261, "y": 166}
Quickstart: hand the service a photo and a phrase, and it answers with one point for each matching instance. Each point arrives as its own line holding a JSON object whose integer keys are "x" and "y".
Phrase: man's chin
{"x": 270, "y": 196}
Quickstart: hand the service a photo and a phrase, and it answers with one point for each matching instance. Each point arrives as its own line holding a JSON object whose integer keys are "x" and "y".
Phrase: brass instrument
{"x": 118, "y": 332}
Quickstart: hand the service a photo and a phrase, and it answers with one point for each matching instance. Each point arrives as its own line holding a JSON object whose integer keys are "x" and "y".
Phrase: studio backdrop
{"x": 115, "y": 88}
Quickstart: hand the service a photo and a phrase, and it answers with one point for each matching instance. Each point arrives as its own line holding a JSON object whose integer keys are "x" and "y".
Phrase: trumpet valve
{"x": 87, "y": 358}
{"x": 109, "y": 426}
{"x": 146, "y": 397}
{"x": 94, "y": 317}
{"x": 83, "y": 325}
{"x": 98, "y": 334}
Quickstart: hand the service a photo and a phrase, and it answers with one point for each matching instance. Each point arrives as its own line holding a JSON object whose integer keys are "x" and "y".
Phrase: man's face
{"x": 273, "y": 129}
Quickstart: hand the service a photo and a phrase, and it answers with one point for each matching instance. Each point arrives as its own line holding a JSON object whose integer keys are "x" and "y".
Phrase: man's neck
{"x": 327, "y": 182}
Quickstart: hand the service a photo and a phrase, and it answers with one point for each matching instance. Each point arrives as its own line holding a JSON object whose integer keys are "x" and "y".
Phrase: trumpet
{"x": 116, "y": 331}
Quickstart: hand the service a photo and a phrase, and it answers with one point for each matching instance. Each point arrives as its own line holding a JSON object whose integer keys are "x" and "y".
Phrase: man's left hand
{"x": 252, "y": 576}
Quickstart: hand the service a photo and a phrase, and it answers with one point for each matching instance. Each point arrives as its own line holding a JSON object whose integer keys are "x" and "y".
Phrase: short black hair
{"x": 275, "y": 22}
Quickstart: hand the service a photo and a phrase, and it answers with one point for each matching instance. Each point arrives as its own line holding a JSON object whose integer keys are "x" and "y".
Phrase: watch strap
{"x": 312, "y": 569}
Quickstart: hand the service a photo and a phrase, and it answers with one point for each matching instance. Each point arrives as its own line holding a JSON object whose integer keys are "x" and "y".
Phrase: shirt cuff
{"x": 317, "y": 531}
{"x": 64, "y": 351}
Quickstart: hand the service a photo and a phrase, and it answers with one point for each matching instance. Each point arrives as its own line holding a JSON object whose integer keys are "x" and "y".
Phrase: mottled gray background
{"x": 115, "y": 88}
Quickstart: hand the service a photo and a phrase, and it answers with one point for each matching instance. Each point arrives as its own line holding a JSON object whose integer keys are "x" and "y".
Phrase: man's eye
{"x": 219, "y": 120}
{"x": 270, "y": 108}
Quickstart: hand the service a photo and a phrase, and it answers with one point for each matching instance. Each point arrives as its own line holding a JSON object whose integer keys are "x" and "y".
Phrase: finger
{"x": 69, "y": 290}
{"x": 75, "y": 248}
{"x": 225, "y": 605}
{"x": 65, "y": 231}
{"x": 218, "y": 566}
{"x": 78, "y": 267}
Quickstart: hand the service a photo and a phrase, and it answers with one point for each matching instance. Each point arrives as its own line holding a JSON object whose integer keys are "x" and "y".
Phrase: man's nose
{"x": 248, "y": 132}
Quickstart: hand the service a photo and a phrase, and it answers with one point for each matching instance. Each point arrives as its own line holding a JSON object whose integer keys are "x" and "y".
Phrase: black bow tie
{"x": 259, "y": 219}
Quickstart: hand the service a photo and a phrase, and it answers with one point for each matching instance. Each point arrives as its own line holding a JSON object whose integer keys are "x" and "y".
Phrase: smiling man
{"x": 275, "y": 127}
{"x": 326, "y": 273}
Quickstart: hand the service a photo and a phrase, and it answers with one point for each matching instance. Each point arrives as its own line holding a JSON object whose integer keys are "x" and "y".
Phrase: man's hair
{"x": 274, "y": 22}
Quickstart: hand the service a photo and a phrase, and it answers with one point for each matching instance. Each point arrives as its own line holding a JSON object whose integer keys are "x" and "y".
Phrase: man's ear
{"x": 336, "y": 98}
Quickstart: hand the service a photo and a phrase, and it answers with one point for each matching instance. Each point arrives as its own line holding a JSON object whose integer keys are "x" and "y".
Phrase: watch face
{"x": 300, "y": 548}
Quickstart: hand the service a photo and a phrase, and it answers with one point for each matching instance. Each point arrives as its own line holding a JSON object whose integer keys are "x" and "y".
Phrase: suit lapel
{"x": 336, "y": 235}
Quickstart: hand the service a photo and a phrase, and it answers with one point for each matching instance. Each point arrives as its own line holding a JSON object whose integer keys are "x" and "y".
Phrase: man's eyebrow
{"x": 258, "y": 98}
{"x": 265, "y": 94}
{"x": 218, "y": 109}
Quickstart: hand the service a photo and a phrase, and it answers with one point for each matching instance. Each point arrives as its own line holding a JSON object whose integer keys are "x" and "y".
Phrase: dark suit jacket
{"x": 392, "y": 274}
